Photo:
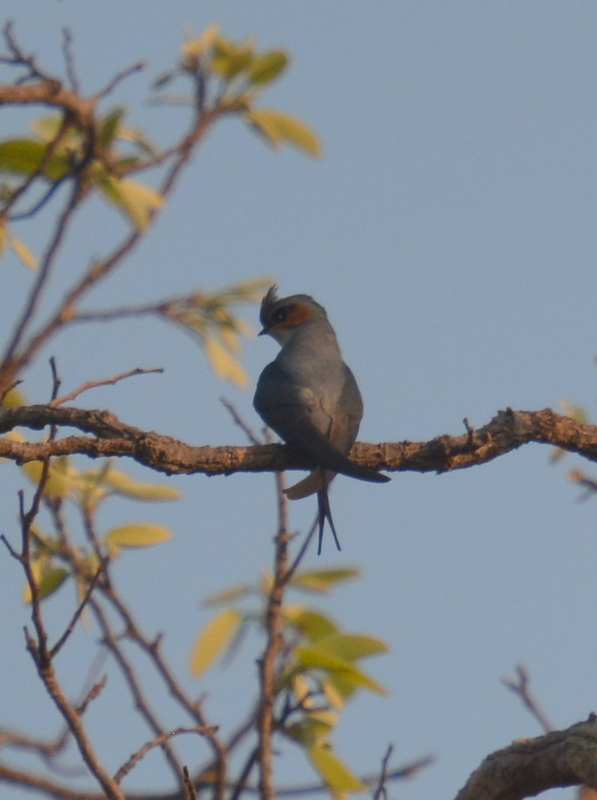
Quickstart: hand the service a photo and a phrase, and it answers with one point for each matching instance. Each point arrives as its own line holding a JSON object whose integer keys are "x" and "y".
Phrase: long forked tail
{"x": 325, "y": 513}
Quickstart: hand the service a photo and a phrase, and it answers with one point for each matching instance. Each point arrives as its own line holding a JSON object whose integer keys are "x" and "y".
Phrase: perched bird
{"x": 310, "y": 398}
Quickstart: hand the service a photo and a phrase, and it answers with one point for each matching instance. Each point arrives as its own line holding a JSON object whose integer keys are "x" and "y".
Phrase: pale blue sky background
{"x": 450, "y": 232}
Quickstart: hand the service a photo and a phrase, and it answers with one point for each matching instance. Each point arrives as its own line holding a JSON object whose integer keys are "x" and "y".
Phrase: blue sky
{"x": 449, "y": 230}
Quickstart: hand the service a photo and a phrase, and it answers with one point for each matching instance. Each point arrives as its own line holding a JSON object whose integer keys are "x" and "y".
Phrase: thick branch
{"x": 507, "y": 431}
{"x": 531, "y": 766}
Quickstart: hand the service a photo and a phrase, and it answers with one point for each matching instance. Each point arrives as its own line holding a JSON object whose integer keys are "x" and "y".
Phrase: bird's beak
{"x": 263, "y": 332}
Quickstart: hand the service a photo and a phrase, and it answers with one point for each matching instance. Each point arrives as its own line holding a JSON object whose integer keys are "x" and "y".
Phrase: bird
{"x": 310, "y": 398}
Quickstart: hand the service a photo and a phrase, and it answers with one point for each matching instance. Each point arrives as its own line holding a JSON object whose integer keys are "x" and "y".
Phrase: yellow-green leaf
{"x": 14, "y": 399}
{"x": 58, "y": 483}
{"x": 279, "y": 128}
{"x": 224, "y": 364}
{"x": 313, "y": 624}
{"x": 312, "y": 730}
{"x": 353, "y": 646}
{"x": 47, "y": 578}
{"x": 109, "y": 126}
{"x": 139, "y": 534}
{"x": 318, "y": 657}
{"x": 322, "y": 581}
{"x": 334, "y": 773}
{"x": 25, "y": 156}
{"x": 214, "y": 640}
{"x": 227, "y": 595}
{"x": 120, "y": 483}
{"x": 22, "y": 252}
{"x": 267, "y": 67}
{"x": 195, "y": 47}
{"x": 137, "y": 200}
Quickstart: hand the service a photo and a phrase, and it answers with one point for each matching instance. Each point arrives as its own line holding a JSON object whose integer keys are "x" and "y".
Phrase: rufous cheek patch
{"x": 299, "y": 314}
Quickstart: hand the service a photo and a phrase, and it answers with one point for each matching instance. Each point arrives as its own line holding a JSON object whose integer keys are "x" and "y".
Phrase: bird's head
{"x": 281, "y": 317}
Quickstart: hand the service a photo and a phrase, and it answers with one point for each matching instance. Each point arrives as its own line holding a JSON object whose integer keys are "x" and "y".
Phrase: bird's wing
{"x": 289, "y": 410}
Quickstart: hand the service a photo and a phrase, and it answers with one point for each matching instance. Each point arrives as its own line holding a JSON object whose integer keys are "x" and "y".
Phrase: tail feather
{"x": 314, "y": 482}
{"x": 325, "y": 513}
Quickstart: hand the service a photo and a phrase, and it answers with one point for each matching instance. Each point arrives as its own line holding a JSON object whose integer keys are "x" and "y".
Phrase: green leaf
{"x": 120, "y": 483}
{"x": 139, "y": 534}
{"x": 334, "y": 773}
{"x": 227, "y": 595}
{"x": 311, "y": 624}
{"x": 321, "y": 581}
{"x": 318, "y": 657}
{"x": 137, "y": 200}
{"x": 214, "y": 640}
{"x": 267, "y": 67}
{"x": 47, "y": 578}
{"x": 195, "y": 47}
{"x": 278, "y": 128}
{"x": 311, "y": 730}
{"x": 109, "y": 126}
{"x": 24, "y": 157}
{"x": 229, "y": 61}
{"x": 351, "y": 646}
{"x": 59, "y": 481}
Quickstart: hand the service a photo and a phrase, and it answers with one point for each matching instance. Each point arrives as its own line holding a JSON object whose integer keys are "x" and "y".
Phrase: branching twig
{"x": 520, "y": 686}
{"x": 105, "y": 382}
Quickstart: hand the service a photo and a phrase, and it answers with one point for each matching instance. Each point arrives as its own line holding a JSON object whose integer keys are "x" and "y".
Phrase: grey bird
{"x": 310, "y": 398}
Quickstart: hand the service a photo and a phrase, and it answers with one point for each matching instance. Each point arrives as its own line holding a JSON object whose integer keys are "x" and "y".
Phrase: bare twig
{"x": 75, "y": 618}
{"x": 520, "y": 686}
{"x": 69, "y": 60}
{"x": 157, "y": 742}
{"x": 381, "y": 792}
{"x": 246, "y": 429}
{"x": 118, "y": 78}
{"x": 105, "y": 382}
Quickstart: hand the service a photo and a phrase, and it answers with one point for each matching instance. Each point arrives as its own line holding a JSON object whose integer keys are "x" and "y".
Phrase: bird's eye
{"x": 280, "y": 315}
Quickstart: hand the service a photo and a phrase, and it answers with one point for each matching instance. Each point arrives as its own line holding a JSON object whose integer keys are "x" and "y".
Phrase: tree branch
{"x": 531, "y": 766}
{"x": 507, "y": 431}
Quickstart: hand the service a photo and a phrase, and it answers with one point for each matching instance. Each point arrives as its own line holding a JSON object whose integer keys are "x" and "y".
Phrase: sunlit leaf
{"x": 14, "y": 399}
{"x": 321, "y": 581}
{"x": 214, "y": 640}
{"x": 47, "y": 577}
{"x": 226, "y": 596}
{"x": 279, "y": 128}
{"x": 139, "y": 534}
{"x": 267, "y": 67}
{"x": 224, "y": 364}
{"x": 313, "y": 624}
{"x": 195, "y": 47}
{"x": 120, "y": 483}
{"x": 229, "y": 59}
{"x": 353, "y": 646}
{"x": 334, "y": 773}
{"x": 137, "y": 200}
{"x": 318, "y": 657}
{"x": 109, "y": 126}
{"x": 59, "y": 481}
{"x": 25, "y": 156}
{"x": 22, "y": 252}
{"x": 312, "y": 730}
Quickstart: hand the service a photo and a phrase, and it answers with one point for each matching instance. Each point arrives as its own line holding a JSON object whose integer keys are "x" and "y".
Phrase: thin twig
{"x": 381, "y": 792}
{"x": 246, "y": 429}
{"x": 521, "y": 687}
{"x": 75, "y": 618}
{"x": 118, "y": 78}
{"x": 105, "y": 382}
{"x": 142, "y": 751}
{"x": 69, "y": 59}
